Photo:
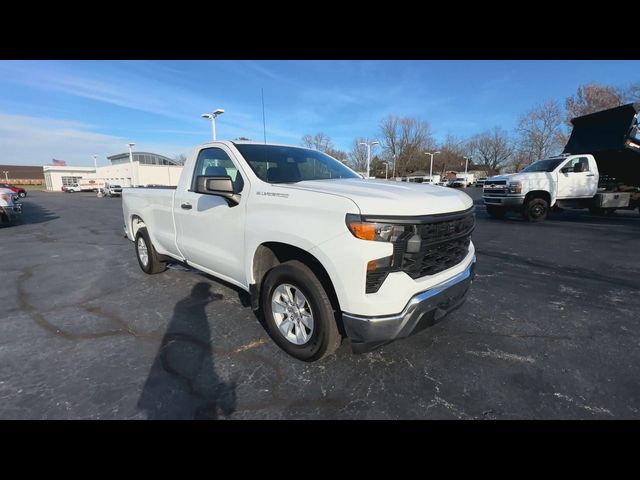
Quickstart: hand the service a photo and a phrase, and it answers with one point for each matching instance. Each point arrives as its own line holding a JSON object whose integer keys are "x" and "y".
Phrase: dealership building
{"x": 146, "y": 169}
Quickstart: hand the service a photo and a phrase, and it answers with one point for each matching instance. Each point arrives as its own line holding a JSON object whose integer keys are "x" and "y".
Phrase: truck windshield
{"x": 544, "y": 165}
{"x": 282, "y": 164}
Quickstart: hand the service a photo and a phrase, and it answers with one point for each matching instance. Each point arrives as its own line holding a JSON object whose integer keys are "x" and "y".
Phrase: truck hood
{"x": 517, "y": 177}
{"x": 383, "y": 197}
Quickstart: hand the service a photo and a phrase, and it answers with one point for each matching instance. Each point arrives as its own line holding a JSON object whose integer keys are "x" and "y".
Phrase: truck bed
{"x": 155, "y": 206}
{"x": 607, "y": 135}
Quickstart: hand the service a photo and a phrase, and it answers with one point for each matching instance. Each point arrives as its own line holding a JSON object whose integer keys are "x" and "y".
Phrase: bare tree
{"x": 518, "y": 160}
{"x": 491, "y": 149}
{"x": 631, "y": 93}
{"x": 591, "y": 98}
{"x": 180, "y": 159}
{"x": 338, "y": 154}
{"x": 406, "y": 139}
{"x": 319, "y": 141}
{"x": 451, "y": 156}
{"x": 358, "y": 155}
{"x": 540, "y": 131}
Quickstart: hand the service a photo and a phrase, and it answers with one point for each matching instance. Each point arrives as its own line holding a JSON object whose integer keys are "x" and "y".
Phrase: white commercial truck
{"x": 599, "y": 170}
{"x": 323, "y": 253}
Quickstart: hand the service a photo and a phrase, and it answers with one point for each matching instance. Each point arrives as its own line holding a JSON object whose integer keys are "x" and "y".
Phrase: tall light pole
{"x": 386, "y": 170}
{"x": 6, "y": 175}
{"x": 131, "y": 144}
{"x": 394, "y": 166}
{"x": 466, "y": 166}
{"x": 431, "y": 167}
{"x": 369, "y": 144}
{"x": 95, "y": 162}
{"x": 212, "y": 117}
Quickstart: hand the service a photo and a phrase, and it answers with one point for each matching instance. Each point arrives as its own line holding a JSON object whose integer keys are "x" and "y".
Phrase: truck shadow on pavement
{"x": 182, "y": 383}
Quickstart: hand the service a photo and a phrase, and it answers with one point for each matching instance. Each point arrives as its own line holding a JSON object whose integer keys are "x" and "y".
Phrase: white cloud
{"x": 26, "y": 140}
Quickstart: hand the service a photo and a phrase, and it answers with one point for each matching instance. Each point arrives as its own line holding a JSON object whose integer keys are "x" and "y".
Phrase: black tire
{"x": 495, "y": 211}
{"x": 325, "y": 337}
{"x": 154, "y": 264}
{"x": 536, "y": 210}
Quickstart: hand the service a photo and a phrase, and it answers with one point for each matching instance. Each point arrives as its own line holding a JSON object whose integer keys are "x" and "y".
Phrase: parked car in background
{"x": 480, "y": 182}
{"x": 19, "y": 191}
{"x": 598, "y": 170}
{"x": 74, "y": 187}
{"x": 457, "y": 183}
{"x": 111, "y": 190}
{"x": 10, "y": 210}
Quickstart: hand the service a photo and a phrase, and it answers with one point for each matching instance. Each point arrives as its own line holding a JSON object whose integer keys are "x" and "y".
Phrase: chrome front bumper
{"x": 513, "y": 201}
{"x": 423, "y": 310}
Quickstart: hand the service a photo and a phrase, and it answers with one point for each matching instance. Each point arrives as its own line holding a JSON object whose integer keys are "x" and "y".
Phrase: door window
{"x": 584, "y": 161}
{"x": 214, "y": 162}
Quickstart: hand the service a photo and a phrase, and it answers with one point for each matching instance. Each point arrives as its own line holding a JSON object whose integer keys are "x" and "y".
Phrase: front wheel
{"x": 536, "y": 210}
{"x": 22, "y": 194}
{"x": 298, "y": 313}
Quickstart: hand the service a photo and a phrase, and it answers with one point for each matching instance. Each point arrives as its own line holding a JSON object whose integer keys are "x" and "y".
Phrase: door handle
{"x": 591, "y": 175}
{"x": 186, "y": 206}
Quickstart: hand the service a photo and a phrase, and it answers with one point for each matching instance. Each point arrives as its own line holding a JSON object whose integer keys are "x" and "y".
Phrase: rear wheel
{"x": 495, "y": 211}
{"x": 298, "y": 312}
{"x": 536, "y": 210}
{"x": 147, "y": 255}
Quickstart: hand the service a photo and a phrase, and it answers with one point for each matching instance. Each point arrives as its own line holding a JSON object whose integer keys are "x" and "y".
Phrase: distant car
{"x": 480, "y": 182}
{"x": 74, "y": 187}
{"x": 9, "y": 210}
{"x": 21, "y": 192}
{"x": 457, "y": 183}
{"x": 112, "y": 190}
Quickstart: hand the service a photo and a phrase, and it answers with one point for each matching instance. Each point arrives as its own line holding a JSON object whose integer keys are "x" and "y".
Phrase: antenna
{"x": 264, "y": 122}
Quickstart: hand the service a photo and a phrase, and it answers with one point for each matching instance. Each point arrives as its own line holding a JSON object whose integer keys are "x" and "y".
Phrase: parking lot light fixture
{"x": 466, "y": 166}
{"x": 369, "y": 144}
{"x": 131, "y": 144}
{"x": 431, "y": 167}
{"x": 212, "y": 116}
{"x": 95, "y": 162}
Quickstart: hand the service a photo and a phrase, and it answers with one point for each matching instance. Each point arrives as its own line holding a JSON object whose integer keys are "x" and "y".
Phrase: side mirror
{"x": 566, "y": 169}
{"x": 219, "y": 186}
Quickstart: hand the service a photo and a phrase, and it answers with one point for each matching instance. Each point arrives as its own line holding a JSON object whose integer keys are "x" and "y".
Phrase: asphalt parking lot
{"x": 551, "y": 330}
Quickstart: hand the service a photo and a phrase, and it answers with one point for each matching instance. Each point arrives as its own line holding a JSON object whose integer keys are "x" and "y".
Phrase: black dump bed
{"x": 613, "y": 137}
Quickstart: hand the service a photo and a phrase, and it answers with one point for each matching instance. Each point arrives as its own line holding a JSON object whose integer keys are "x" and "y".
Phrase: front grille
{"x": 444, "y": 243}
{"x": 495, "y": 190}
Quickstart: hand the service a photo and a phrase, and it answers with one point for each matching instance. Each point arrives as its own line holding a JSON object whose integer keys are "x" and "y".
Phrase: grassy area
{"x": 33, "y": 187}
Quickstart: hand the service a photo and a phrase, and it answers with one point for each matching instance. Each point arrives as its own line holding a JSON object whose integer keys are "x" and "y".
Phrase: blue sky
{"x": 73, "y": 109}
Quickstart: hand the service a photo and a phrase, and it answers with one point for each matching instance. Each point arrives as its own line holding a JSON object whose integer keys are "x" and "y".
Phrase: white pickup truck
{"x": 323, "y": 253}
{"x": 599, "y": 170}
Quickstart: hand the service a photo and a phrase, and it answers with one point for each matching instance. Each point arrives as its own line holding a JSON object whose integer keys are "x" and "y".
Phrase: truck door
{"x": 577, "y": 178}
{"x": 210, "y": 233}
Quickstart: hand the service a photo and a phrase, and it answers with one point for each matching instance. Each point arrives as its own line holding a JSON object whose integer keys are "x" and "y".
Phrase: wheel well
{"x": 271, "y": 254}
{"x": 538, "y": 194}
{"x": 136, "y": 224}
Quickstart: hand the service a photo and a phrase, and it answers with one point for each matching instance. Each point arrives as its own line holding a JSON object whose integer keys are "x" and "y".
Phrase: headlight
{"x": 515, "y": 187}
{"x": 381, "y": 232}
